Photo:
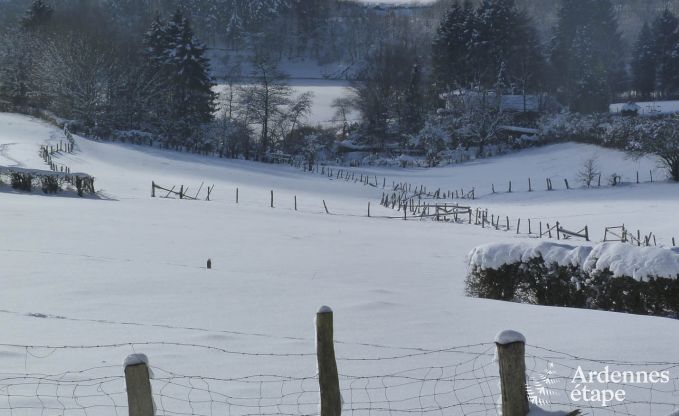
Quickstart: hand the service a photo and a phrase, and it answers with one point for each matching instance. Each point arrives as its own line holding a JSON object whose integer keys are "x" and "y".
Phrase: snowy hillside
{"x": 127, "y": 268}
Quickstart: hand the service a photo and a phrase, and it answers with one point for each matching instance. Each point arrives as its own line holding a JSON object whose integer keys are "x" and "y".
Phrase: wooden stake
{"x": 328, "y": 378}
{"x": 511, "y": 359}
{"x": 139, "y": 396}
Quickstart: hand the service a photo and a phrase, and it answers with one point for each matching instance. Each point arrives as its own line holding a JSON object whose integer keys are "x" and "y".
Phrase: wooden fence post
{"x": 153, "y": 189}
{"x": 328, "y": 378}
{"x": 511, "y": 349}
{"x": 295, "y": 202}
{"x": 271, "y": 198}
{"x": 139, "y": 396}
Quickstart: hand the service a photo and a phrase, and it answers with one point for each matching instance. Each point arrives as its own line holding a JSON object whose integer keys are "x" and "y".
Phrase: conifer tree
{"x": 189, "y": 101}
{"x": 665, "y": 42}
{"x": 38, "y": 15}
{"x": 450, "y": 50}
{"x": 598, "y": 28}
{"x": 643, "y": 63}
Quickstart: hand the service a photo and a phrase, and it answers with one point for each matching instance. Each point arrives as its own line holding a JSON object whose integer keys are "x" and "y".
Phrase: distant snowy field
{"x": 650, "y": 107}
{"x": 324, "y": 91}
{"x": 129, "y": 268}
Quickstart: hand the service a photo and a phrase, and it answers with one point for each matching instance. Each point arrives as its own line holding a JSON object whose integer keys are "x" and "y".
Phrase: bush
{"x": 22, "y": 181}
{"x": 50, "y": 184}
{"x": 536, "y": 282}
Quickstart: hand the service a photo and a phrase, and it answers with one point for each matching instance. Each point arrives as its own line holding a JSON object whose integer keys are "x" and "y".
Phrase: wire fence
{"x": 461, "y": 380}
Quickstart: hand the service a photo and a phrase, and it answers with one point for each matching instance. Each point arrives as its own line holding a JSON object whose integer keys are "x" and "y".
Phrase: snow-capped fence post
{"x": 511, "y": 349}
{"x": 328, "y": 378}
{"x": 139, "y": 396}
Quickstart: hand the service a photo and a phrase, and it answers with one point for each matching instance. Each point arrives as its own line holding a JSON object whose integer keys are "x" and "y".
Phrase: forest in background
{"x": 426, "y": 80}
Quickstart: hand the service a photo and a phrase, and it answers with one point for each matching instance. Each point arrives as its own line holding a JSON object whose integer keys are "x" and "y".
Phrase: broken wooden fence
{"x": 181, "y": 192}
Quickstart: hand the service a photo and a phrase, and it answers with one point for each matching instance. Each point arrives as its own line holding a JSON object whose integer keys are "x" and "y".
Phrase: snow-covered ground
{"x": 127, "y": 268}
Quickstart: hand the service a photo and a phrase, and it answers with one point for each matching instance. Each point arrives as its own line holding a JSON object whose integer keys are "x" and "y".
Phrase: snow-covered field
{"x": 125, "y": 268}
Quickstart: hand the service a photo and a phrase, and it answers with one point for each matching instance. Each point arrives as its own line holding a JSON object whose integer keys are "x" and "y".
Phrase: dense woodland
{"x": 426, "y": 80}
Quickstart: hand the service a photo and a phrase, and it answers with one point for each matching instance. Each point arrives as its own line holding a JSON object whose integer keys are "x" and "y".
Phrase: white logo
{"x": 541, "y": 386}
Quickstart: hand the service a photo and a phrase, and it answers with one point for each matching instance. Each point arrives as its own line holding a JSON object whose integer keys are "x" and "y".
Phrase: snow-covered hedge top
{"x": 619, "y": 258}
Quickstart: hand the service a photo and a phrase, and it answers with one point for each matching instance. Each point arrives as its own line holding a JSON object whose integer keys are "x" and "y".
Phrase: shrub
{"x": 50, "y": 184}
{"x": 537, "y": 282}
{"x": 21, "y": 181}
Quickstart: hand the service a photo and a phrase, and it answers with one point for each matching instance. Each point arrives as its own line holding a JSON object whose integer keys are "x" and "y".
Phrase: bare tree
{"x": 589, "y": 171}
{"x": 659, "y": 138}
{"x": 260, "y": 102}
{"x": 342, "y": 106}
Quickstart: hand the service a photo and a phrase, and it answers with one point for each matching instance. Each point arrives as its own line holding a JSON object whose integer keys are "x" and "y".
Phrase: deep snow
{"x": 126, "y": 268}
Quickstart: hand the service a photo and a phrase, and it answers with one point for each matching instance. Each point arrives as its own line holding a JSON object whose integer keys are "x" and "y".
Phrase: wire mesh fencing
{"x": 207, "y": 380}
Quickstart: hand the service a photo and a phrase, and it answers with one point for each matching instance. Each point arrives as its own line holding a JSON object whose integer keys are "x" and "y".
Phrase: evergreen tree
{"x": 413, "y": 119}
{"x": 590, "y": 92}
{"x": 665, "y": 42}
{"x": 450, "y": 50}
{"x": 644, "y": 62}
{"x": 599, "y": 29}
{"x": 38, "y": 16}
{"x": 173, "y": 51}
{"x": 505, "y": 48}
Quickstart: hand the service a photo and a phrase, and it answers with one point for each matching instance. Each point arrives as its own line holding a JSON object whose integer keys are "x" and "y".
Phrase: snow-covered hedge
{"x": 610, "y": 276}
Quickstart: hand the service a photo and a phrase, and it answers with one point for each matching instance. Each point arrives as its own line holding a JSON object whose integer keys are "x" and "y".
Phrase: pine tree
{"x": 506, "y": 49}
{"x": 192, "y": 78}
{"x": 599, "y": 29}
{"x": 590, "y": 90}
{"x": 450, "y": 50}
{"x": 665, "y": 41}
{"x": 644, "y": 63}
{"x": 413, "y": 119}
{"x": 173, "y": 51}
{"x": 39, "y": 15}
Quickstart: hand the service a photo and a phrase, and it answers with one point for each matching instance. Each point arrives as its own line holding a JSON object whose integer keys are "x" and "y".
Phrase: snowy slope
{"x": 128, "y": 268}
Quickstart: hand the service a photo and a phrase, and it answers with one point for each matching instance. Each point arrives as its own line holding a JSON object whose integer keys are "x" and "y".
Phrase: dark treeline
{"x": 428, "y": 81}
